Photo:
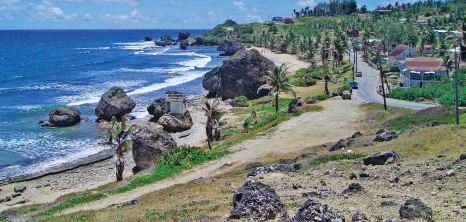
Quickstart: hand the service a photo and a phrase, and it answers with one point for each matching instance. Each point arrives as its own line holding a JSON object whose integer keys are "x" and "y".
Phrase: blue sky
{"x": 145, "y": 14}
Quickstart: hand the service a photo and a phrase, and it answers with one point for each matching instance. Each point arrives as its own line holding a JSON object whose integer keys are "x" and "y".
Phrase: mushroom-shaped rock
{"x": 62, "y": 117}
{"x": 114, "y": 102}
{"x": 148, "y": 146}
{"x": 257, "y": 201}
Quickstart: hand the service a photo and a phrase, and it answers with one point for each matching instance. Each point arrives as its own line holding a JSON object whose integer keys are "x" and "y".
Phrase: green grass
{"x": 407, "y": 120}
{"x": 340, "y": 156}
{"x": 72, "y": 202}
{"x": 175, "y": 161}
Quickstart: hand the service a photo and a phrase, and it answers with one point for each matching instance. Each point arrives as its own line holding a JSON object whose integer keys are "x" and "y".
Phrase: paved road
{"x": 368, "y": 84}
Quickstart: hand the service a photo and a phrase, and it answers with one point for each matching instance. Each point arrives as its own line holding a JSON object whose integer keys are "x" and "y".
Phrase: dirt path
{"x": 295, "y": 135}
{"x": 291, "y": 61}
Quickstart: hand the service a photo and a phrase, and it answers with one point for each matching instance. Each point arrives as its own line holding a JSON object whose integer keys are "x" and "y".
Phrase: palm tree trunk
{"x": 120, "y": 166}
{"x": 276, "y": 103}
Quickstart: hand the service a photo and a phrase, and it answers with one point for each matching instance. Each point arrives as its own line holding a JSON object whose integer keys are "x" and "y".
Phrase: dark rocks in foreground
{"x": 382, "y": 158}
{"x": 315, "y": 211}
{"x": 386, "y": 136}
{"x": 414, "y": 208}
{"x": 257, "y": 201}
{"x": 148, "y": 146}
{"x": 353, "y": 188}
{"x": 62, "y": 117}
{"x": 359, "y": 217}
{"x": 240, "y": 75}
{"x": 114, "y": 102}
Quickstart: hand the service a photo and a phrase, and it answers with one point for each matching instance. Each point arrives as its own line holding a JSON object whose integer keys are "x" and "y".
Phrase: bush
{"x": 241, "y": 99}
{"x": 229, "y": 22}
{"x": 345, "y": 87}
{"x": 322, "y": 97}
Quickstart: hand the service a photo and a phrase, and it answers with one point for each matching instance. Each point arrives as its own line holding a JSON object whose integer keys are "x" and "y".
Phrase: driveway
{"x": 368, "y": 84}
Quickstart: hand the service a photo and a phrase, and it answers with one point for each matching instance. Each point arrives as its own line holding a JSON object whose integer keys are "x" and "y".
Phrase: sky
{"x": 146, "y": 14}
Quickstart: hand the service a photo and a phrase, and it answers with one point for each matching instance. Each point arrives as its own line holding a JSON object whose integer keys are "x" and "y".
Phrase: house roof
{"x": 423, "y": 64}
{"x": 288, "y": 18}
{"x": 398, "y": 50}
{"x": 427, "y": 47}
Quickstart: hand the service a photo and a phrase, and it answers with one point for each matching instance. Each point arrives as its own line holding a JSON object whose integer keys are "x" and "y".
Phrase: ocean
{"x": 44, "y": 69}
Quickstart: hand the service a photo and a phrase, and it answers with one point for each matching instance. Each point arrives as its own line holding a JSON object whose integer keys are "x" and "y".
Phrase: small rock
{"x": 441, "y": 156}
{"x": 442, "y": 168}
{"x": 380, "y": 131}
{"x": 18, "y": 202}
{"x": 433, "y": 194}
{"x": 414, "y": 208}
{"x": 15, "y": 195}
{"x": 20, "y": 189}
{"x": 353, "y": 188}
{"x": 2, "y": 200}
{"x": 451, "y": 173}
{"x": 363, "y": 175}
{"x": 463, "y": 207}
{"x": 436, "y": 123}
{"x": 395, "y": 180}
{"x": 359, "y": 216}
{"x": 381, "y": 158}
{"x": 327, "y": 172}
{"x": 463, "y": 156}
{"x": 8, "y": 198}
{"x": 286, "y": 161}
{"x": 315, "y": 211}
{"x": 228, "y": 164}
{"x": 389, "y": 203}
{"x": 353, "y": 176}
{"x": 356, "y": 134}
{"x": 408, "y": 183}
{"x": 271, "y": 169}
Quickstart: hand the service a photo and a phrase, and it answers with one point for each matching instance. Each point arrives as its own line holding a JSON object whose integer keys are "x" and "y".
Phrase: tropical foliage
{"x": 277, "y": 81}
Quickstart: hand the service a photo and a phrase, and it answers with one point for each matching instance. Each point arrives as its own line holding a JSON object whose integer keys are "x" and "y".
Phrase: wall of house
{"x": 408, "y": 53}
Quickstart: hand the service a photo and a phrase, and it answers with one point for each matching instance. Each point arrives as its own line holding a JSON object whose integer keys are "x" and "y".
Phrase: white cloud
{"x": 305, "y": 3}
{"x": 240, "y": 5}
{"x": 253, "y": 16}
{"x": 175, "y": 3}
{"x": 8, "y": 2}
{"x": 121, "y": 2}
{"x": 134, "y": 17}
{"x": 48, "y": 12}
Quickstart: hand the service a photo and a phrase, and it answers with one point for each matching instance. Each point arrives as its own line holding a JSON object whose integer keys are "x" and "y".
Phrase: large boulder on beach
{"x": 240, "y": 75}
{"x": 62, "y": 117}
{"x": 148, "y": 146}
{"x": 158, "y": 108}
{"x": 257, "y": 201}
{"x": 176, "y": 122}
{"x": 183, "y": 36}
{"x": 230, "y": 47}
{"x": 114, "y": 102}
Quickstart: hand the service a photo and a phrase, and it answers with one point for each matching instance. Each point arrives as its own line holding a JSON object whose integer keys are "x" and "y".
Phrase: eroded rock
{"x": 114, "y": 102}
{"x": 382, "y": 158}
{"x": 317, "y": 212}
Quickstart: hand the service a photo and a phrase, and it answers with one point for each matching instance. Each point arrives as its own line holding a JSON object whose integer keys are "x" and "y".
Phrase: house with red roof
{"x": 401, "y": 52}
{"x": 352, "y": 33}
{"x": 288, "y": 20}
{"x": 421, "y": 71}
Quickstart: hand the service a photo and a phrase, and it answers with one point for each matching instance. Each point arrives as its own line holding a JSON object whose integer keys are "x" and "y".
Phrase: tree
{"x": 447, "y": 61}
{"x": 463, "y": 41}
{"x": 213, "y": 115}
{"x": 118, "y": 138}
{"x": 327, "y": 79}
{"x": 276, "y": 82}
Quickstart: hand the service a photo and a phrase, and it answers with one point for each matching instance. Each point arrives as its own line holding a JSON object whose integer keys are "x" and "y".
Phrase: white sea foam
{"x": 137, "y": 45}
{"x": 152, "y": 52}
{"x": 187, "y": 77}
{"x": 139, "y": 115}
{"x": 94, "y": 48}
{"x": 200, "y": 62}
{"x": 46, "y": 86}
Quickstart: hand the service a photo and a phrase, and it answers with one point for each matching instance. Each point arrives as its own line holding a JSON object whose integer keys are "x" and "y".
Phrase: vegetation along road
{"x": 367, "y": 91}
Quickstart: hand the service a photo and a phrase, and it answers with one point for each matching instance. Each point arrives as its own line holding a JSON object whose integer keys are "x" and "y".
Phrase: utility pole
{"x": 356, "y": 56}
{"x": 456, "y": 88}
{"x": 381, "y": 78}
{"x": 354, "y": 60}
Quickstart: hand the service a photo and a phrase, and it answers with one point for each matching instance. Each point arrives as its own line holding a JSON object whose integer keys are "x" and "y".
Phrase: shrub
{"x": 321, "y": 97}
{"x": 340, "y": 156}
{"x": 241, "y": 99}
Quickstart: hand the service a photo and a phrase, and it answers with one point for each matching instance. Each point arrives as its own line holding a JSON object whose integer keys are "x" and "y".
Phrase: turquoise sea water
{"x": 41, "y": 70}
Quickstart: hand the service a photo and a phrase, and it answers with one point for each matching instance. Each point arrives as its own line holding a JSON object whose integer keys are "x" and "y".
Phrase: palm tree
{"x": 447, "y": 61}
{"x": 213, "y": 115}
{"x": 118, "y": 137}
{"x": 327, "y": 79}
{"x": 277, "y": 81}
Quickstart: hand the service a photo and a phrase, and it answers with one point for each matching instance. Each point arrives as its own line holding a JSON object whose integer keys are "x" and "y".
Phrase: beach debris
{"x": 258, "y": 201}
{"x": 114, "y": 102}
{"x": 240, "y": 75}
{"x": 62, "y": 117}
{"x": 271, "y": 169}
{"x": 312, "y": 210}
{"x": 382, "y": 158}
{"x": 414, "y": 208}
{"x": 148, "y": 146}
{"x": 19, "y": 189}
{"x": 230, "y": 47}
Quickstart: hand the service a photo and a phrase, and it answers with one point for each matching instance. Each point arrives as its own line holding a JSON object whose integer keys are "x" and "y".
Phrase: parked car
{"x": 359, "y": 74}
{"x": 346, "y": 95}
{"x": 354, "y": 85}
